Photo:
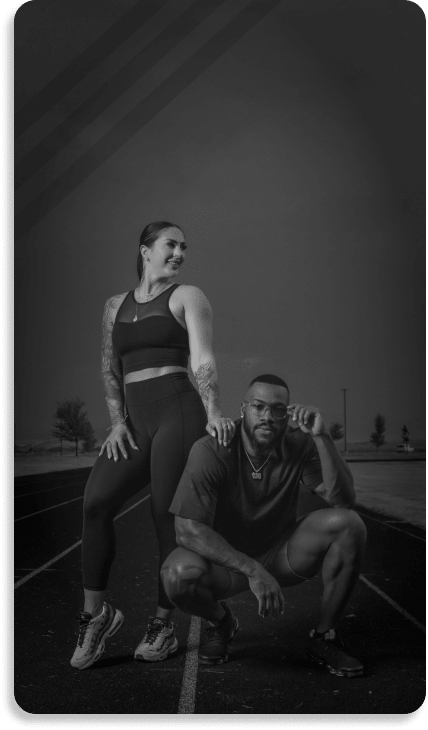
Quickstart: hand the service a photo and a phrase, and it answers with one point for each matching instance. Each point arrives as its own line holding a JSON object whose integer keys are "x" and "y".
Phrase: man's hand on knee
{"x": 267, "y": 591}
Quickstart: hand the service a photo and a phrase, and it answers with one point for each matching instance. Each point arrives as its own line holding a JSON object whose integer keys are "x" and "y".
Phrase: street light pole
{"x": 344, "y": 412}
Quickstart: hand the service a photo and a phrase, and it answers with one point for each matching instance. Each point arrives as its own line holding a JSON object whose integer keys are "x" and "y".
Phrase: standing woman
{"x": 148, "y": 335}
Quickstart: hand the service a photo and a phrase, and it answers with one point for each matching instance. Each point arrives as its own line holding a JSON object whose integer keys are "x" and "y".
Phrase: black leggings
{"x": 166, "y": 417}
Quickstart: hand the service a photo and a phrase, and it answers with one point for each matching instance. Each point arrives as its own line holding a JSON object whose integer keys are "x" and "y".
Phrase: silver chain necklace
{"x": 148, "y": 298}
{"x": 256, "y": 472}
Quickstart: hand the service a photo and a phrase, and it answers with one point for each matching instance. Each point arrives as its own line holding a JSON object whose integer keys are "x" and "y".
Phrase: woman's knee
{"x": 180, "y": 572}
{"x": 95, "y": 507}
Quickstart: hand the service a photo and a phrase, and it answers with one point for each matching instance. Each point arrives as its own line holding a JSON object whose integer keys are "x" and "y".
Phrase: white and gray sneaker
{"x": 92, "y": 634}
{"x": 158, "y": 642}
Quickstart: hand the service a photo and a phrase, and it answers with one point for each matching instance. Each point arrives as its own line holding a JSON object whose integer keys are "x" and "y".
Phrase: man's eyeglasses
{"x": 259, "y": 409}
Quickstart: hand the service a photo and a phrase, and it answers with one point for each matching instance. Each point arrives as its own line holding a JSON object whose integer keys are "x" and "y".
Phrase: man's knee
{"x": 180, "y": 572}
{"x": 336, "y": 522}
{"x": 342, "y": 522}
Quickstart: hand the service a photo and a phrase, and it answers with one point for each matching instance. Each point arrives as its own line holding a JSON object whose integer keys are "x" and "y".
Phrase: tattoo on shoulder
{"x": 110, "y": 309}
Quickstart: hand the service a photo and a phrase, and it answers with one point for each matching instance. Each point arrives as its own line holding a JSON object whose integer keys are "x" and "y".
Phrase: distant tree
{"x": 405, "y": 435}
{"x": 71, "y": 421}
{"x": 59, "y": 430}
{"x": 336, "y": 431}
{"x": 90, "y": 441}
{"x": 377, "y": 437}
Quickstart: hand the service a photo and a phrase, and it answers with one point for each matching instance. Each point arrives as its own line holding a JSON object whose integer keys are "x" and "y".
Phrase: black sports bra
{"x": 156, "y": 339}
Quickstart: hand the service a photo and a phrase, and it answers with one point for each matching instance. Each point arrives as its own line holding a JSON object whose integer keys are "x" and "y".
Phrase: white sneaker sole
{"x": 112, "y": 630}
{"x": 149, "y": 656}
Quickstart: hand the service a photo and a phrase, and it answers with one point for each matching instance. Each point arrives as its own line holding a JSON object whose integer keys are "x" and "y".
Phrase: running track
{"x": 267, "y": 671}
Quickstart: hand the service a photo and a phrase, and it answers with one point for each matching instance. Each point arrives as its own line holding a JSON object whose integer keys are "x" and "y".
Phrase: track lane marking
{"x": 395, "y": 605}
{"x": 47, "y": 509}
{"x": 369, "y": 517}
{"x": 391, "y": 526}
{"x": 186, "y": 703}
{"x": 188, "y": 688}
{"x": 72, "y": 547}
{"x": 52, "y": 489}
{"x": 76, "y": 484}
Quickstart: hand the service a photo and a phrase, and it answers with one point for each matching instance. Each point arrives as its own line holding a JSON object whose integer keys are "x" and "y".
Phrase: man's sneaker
{"x": 214, "y": 646}
{"x": 158, "y": 642}
{"x": 92, "y": 634}
{"x": 331, "y": 652}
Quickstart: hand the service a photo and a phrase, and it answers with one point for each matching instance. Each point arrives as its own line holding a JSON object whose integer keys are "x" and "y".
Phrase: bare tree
{"x": 90, "y": 441}
{"x": 405, "y": 435}
{"x": 336, "y": 431}
{"x": 377, "y": 437}
{"x": 59, "y": 430}
{"x": 71, "y": 421}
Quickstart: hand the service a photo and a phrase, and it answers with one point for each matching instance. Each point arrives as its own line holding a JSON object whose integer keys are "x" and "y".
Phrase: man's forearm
{"x": 338, "y": 482}
{"x": 210, "y": 545}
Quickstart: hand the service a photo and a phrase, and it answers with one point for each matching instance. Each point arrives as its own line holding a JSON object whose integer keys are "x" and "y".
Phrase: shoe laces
{"x": 154, "y": 628}
{"x": 83, "y": 619}
{"x": 334, "y": 645}
{"x": 212, "y": 632}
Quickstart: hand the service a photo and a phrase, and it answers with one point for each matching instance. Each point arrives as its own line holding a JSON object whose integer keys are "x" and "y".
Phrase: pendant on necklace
{"x": 256, "y": 475}
{"x": 135, "y": 318}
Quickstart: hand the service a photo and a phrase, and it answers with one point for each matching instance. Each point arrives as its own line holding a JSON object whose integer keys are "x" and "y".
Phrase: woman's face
{"x": 167, "y": 253}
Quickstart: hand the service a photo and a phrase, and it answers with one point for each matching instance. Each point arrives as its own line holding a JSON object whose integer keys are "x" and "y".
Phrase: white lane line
{"x": 394, "y": 604}
{"x": 53, "y": 570}
{"x": 383, "y": 522}
{"x": 186, "y": 704}
{"x": 47, "y": 509}
{"x": 52, "y": 489}
{"x": 64, "y": 552}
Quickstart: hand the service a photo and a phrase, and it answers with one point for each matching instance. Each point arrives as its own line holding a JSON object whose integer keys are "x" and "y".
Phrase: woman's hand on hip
{"x": 221, "y": 428}
{"x": 115, "y": 443}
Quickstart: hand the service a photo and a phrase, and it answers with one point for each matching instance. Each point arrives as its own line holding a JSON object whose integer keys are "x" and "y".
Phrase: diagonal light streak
{"x": 112, "y": 89}
{"x": 133, "y": 122}
{"x": 122, "y": 29}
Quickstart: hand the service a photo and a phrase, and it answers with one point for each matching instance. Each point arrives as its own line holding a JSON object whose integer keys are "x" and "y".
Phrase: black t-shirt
{"x": 217, "y": 488}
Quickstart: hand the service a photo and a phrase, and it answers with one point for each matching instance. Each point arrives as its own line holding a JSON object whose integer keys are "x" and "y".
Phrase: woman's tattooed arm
{"x": 206, "y": 378}
{"x": 199, "y": 322}
{"x": 111, "y": 366}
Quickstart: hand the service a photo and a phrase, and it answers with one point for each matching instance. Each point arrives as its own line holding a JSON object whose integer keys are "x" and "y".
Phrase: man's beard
{"x": 265, "y": 444}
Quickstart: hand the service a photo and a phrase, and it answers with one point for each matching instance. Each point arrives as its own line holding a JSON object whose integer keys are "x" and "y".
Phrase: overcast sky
{"x": 294, "y": 164}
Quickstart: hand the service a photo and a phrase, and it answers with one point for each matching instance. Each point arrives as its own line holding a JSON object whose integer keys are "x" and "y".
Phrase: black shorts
{"x": 275, "y": 561}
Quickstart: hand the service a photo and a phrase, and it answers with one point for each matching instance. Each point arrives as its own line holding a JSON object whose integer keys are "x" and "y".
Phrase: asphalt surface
{"x": 267, "y": 671}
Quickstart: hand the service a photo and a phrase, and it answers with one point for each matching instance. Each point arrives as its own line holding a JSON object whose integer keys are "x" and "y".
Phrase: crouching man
{"x": 237, "y": 530}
